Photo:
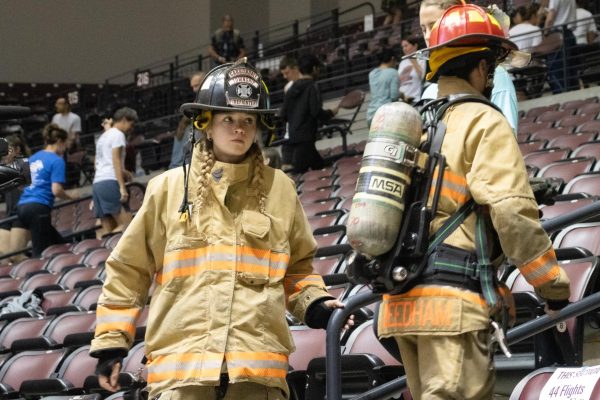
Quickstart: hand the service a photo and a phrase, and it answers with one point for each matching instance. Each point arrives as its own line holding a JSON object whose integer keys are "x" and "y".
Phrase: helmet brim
{"x": 193, "y": 109}
{"x": 474, "y": 39}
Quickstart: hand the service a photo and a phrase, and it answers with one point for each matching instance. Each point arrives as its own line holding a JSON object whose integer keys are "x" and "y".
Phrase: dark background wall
{"x": 91, "y": 40}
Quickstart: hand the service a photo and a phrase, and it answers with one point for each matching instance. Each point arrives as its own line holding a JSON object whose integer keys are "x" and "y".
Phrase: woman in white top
{"x": 527, "y": 33}
{"x": 109, "y": 191}
{"x": 411, "y": 72}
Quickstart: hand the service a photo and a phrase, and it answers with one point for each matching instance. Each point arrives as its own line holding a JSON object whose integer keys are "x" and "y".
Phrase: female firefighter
{"x": 229, "y": 248}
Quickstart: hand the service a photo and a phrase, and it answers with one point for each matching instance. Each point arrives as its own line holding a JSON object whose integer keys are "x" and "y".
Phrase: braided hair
{"x": 257, "y": 181}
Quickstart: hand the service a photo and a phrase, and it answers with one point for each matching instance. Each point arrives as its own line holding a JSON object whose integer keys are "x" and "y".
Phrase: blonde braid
{"x": 207, "y": 160}
{"x": 258, "y": 178}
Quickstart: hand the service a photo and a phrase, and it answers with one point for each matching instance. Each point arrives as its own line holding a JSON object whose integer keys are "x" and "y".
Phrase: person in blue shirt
{"x": 47, "y": 169}
{"x": 383, "y": 83}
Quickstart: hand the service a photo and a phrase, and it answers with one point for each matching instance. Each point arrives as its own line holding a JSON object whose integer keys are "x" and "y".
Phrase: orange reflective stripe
{"x": 188, "y": 262}
{"x": 257, "y": 364}
{"x": 295, "y": 283}
{"x": 116, "y": 319}
{"x": 185, "y": 366}
{"x": 541, "y": 270}
{"x": 454, "y": 187}
{"x": 437, "y": 291}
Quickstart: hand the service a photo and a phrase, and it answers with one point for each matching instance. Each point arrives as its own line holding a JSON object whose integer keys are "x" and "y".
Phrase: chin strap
{"x": 185, "y": 209}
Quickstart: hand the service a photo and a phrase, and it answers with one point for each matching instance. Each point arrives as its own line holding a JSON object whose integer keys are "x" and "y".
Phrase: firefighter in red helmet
{"x": 445, "y": 325}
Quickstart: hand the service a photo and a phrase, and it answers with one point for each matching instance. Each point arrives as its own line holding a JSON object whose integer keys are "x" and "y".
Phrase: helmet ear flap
{"x": 267, "y": 121}
{"x": 202, "y": 120}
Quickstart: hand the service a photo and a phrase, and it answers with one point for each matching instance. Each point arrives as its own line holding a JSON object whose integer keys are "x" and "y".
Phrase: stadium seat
{"x": 310, "y": 343}
{"x": 573, "y": 104}
{"x": 22, "y": 328}
{"x": 321, "y": 207}
{"x": 589, "y": 109}
{"x": 110, "y": 242}
{"x": 9, "y": 287}
{"x": 322, "y": 221}
{"x": 532, "y": 146}
{"x": 537, "y": 111}
{"x": 528, "y": 128}
{"x": 96, "y": 256}
{"x": 312, "y": 196}
{"x": 564, "y": 204}
{"x": 549, "y": 133}
{"x": 317, "y": 174}
{"x": 574, "y": 121}
{"x": 86, "y": 245}
{"x": 88, "y": 297}
{"x": 586, "y": 235}
{"x": 573, "y": 140}
{"x": 329, "y": 236}
{"x": 541, "y": 158}
{"x": 82, "y": 276}
{"x": 591, "y": 126}
{"x": 530, "y": 387}
{"x": 28, "y": 365}
{"x": 586, "y": 183}
{"x": 553, "y": 116}
{"x": 44, "y": 278}
{"x": 317, "y": 184}
{"x": 61, "y": 261}
{"x": 71, "y": 328}
{"x": 23, "y": 268}
{"x": 589, "y": 149}
{"x": 68, "y": 380}
{"x": 567, "y": 169}
{"x": 55, "y": 249}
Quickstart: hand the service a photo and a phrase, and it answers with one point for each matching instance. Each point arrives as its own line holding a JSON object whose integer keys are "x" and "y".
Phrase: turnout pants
{"x": 449, "y": 367}
{"x": 235, "y": 391}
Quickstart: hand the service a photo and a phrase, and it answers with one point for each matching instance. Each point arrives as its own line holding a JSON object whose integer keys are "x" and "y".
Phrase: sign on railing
{"x": 142, "y": 78}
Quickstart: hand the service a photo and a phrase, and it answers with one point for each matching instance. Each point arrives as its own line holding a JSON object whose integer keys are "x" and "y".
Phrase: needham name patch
{"x": 242, "y": 87}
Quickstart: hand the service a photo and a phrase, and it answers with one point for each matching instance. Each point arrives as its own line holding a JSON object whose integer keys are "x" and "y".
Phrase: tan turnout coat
{"x": 224, "y": 279}
{"x": 483, "y": 163}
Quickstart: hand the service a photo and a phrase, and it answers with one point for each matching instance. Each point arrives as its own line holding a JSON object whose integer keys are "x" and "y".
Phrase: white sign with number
{"x": 571, "y": 384}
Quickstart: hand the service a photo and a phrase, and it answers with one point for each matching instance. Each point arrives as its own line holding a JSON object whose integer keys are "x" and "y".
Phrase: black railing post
{"x": 335, "y": 23}
{"x": 171, "y": 88}
{"x": 255, "y": 43}
{"x": 296, "y": 34}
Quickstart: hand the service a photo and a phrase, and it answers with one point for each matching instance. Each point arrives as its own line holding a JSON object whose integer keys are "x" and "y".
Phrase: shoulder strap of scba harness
{"x": 433, "y": 113}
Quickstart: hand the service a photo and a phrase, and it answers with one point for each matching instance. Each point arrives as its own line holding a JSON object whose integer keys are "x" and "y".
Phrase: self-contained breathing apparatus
{"x": 401, "y": 267}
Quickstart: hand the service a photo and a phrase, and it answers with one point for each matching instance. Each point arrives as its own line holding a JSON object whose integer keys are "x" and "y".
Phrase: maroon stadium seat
{"x": 589, "y": 109}
{"x": 587, "y": 183}
{"x": 561, "y": 207}
{"x": 23, "y": 328}
{"x": 550, "y": 133}
{"x": 586, "y": 235}
{"x": 591, "y": 126}
{"x": 574, "y": 121}
{"x": 531, "y": 146}
{"x": 589, "y": 149}
{"x": 85, "y": 245}
{"x": 567, "y": 169}
{"x": 24, "y": 267}
{"x": 537, "y": 111}
{"x": 28, "y": 365}
{"x": 317, "y": 174}
{"x": 544, "y": 157}
{"x": 572, "y": 140}
{"x": 62, "y": 261}
{"x": 548, "y": 116}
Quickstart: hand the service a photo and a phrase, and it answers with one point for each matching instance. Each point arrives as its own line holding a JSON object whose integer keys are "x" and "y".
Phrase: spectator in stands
{"x": 303, "y": 110}
{"x": 47, "y": 169}
{"x": 585, "y": 31}
{"x": 109, "y": 191}
{"x": 394, "y": 10}
{"x": 503, "y": 91}
{"x": 184, "y": 128}
{"x": 226, "y": 43}
{"x": 411, "y": 71}
{"x": 69, "y": 121}
{"x": 226, "y": 264}
{"x": 288, "y": 66}
{"x": 13, "y": 235}
{"x": 442, "y": 325}
{"x": 559, "y": 14}
{"x": 383, "y": 83}
{"x": 527, "y": 34}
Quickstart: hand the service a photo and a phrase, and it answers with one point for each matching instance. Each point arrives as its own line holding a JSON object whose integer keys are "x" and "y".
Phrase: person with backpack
{"x": 444, "y": 325}
{"x": 229, "y": 248}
